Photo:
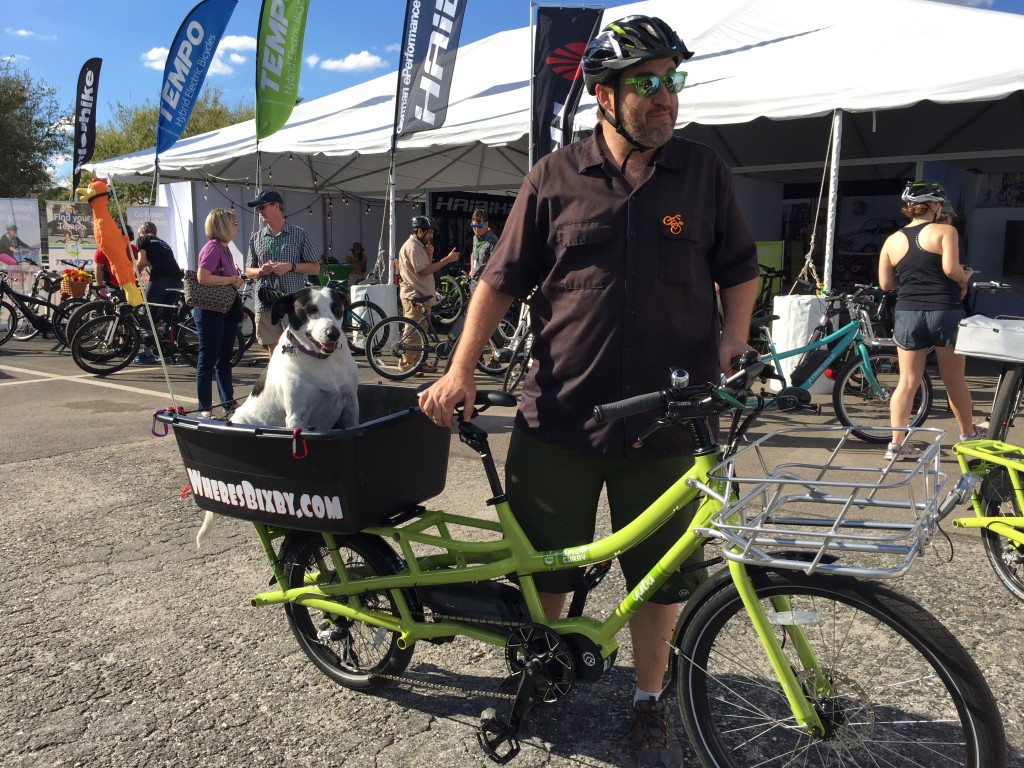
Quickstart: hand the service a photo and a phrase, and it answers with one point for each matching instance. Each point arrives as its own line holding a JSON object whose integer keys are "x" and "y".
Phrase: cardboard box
{"x": 1001, "y": 339}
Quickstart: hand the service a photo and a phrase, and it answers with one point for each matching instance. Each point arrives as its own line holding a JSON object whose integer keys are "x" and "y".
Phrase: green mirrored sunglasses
{"x": 648, "y": 85}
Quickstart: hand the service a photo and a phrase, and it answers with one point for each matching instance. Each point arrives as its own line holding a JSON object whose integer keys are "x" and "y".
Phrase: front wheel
{"x": 451, "y": 300}
{"x": 1005, "y": 402}
{"x": 105, "y": 344}
{"x": 397, "y": 348}
{"x": 358, "y": 321}
{"x": 890, "y": 684}
{"x": 349, "y": 652}
{"x": 860, "y": 404}
{"x": 8, "y": 321}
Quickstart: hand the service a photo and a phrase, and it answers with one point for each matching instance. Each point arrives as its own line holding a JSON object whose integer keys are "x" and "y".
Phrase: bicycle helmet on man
{"x": 622, "y": 44}
{"x": 423, "y": 222}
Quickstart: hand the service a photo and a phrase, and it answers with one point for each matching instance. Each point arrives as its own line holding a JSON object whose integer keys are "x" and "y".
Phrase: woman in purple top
{"x": 216, "y": 329}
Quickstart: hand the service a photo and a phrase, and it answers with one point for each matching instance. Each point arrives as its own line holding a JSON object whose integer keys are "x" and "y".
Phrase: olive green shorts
{"x": 554, "y": 493}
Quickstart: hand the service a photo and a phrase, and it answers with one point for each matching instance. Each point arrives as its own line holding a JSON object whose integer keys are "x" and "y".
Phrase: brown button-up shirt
{"x": 626, "y": 286}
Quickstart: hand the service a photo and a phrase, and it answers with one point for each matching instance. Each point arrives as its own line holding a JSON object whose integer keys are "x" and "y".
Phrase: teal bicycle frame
{"x": 464, "y": 562}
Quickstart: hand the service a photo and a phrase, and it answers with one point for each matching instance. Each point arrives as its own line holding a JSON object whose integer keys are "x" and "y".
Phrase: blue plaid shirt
{"x": 290, "y": 244}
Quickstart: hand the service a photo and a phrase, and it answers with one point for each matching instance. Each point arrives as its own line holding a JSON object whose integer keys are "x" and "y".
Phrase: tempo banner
{"x": 278, "y": 62}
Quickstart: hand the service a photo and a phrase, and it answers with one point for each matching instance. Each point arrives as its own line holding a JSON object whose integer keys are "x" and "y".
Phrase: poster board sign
{"x": 70, "y": 235}
{"x": 21, "y": 243}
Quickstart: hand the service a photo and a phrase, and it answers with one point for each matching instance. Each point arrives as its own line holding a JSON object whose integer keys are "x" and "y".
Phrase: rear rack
{"x": 842, "y": 508}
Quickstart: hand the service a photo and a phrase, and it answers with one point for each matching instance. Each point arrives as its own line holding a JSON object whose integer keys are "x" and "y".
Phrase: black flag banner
{"x": 561, "y": 37}
{"x": 85, "y": 116}
{"x": 429, "y": 44}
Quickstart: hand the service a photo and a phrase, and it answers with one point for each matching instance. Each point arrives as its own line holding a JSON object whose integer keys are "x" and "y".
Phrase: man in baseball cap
{"x": 266, "y": 197}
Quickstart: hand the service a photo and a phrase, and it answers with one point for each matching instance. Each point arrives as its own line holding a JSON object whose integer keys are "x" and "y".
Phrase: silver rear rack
{"x": 834, "y": 504}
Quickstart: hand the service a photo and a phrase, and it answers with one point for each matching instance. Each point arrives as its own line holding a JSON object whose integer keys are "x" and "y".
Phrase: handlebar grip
{"x": 631, "y": 406}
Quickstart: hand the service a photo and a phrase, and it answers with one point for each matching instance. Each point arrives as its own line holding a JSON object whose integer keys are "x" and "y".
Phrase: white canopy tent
{"x": 925, "y": 79}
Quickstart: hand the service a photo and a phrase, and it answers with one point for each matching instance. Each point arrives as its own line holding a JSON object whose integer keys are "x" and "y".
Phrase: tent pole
{"x": 392, "y": 224}
{"x": 833, "y": 194}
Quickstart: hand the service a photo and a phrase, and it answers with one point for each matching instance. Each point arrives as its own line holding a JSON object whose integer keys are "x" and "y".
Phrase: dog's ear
{"x": 282, "y": 307}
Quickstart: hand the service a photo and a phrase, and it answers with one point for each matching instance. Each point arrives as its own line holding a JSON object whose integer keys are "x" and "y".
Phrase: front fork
{"x": 803, "y": 709}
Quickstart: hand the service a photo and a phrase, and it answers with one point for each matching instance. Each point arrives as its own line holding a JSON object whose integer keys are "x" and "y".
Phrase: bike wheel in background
{"x": 105, "y": 344}
{"x": 1005, "y": 556}
{"x": 858, "y": 404}
{"x": 451, "y": 300}
{"x": 351, "y": 653}
{"x": 890, "y": 683}
{"x": 518, "y": 365}
{"x": 397, "y": 348}
{"x": 494, "y": 360}
{"x": 62, "y": 316}
{"x": 8, "y": 321}
{"x": 23, "y": 329}
{"x": 359, "y": 319}
{"x": 82, "y": 313}
{"x": 186, "y": 342}
{"x": 247, "y": 327}
{"x": 1006, "y": 401}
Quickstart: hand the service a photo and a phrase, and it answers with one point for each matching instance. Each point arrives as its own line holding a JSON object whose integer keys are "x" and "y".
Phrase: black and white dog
{"x": 311, "y": 381}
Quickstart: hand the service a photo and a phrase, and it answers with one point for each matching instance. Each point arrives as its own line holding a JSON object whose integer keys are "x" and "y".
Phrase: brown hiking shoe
{"x": 653, "y": 739}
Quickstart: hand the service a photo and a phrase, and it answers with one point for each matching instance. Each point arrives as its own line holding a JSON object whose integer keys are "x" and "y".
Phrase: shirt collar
{"x": 670, "y": 155}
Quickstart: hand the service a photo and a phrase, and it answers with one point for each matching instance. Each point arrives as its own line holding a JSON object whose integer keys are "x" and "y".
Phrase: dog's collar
{"x": 293, "y": 344}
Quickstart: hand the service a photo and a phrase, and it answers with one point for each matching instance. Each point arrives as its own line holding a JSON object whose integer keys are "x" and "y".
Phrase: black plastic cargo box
{"x": 339, "y": 480}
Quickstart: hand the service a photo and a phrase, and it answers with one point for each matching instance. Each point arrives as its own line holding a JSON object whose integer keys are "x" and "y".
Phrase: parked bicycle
{"x": 398, "y": 347}
{"x": 107, "y": 343}
{"x": 864, "y": 368}
{"x": 783, "y": 657}
{"x": 23, "y": 316}
{"x": 454, "y": 287}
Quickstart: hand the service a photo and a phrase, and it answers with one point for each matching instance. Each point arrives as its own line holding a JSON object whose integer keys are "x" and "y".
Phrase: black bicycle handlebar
{"x": 631, "y": 406}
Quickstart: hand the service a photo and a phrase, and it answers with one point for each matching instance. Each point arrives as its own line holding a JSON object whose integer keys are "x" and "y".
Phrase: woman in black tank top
{"x": 922, "y": 261}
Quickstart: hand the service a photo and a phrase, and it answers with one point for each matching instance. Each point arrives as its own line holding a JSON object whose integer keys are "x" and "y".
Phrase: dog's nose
{"x": 333, "y": 333}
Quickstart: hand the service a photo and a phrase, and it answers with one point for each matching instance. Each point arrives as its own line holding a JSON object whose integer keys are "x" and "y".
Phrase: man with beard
{"x": 625, "y": 235}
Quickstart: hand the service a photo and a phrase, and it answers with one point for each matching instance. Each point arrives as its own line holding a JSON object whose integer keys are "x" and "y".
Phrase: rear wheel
{"x": 84, "y": 312}
{"x": 1005, "y": 556}
{"x": 351, "y": 653}
{"x": 1005, "y": 402}
{"x": 25, "y": 330}
{"x": 891, "y": 685}
{"x": 397, "y": 348}
{"x": 105, "y": 344}
{"x": 359, "y": 319}
{"x": 8, "y": 321}
{"x": 186, "y": 341}
{"x": 858, "y": 404}
{"x": 518, "y": 365}
{"x": 247, "y": 327}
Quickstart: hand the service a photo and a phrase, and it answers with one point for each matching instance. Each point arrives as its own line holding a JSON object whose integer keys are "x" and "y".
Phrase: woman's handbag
{"x": 217, "y": 298}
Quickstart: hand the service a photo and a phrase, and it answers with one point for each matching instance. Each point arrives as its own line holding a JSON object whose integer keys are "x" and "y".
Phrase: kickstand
{"x": 494, "y": 733}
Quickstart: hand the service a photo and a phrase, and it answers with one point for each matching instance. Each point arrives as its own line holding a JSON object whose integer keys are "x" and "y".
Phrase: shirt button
{"x": 632, "y": 233}
{"x": 627, "y": 388}
{"x": 629, "y": 351}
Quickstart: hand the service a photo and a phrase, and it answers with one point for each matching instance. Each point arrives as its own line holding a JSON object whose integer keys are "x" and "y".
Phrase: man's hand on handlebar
{"x": 439, "y": 400}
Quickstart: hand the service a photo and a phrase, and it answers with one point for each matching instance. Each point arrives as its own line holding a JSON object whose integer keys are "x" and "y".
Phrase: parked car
{"x": 870, "y": 237}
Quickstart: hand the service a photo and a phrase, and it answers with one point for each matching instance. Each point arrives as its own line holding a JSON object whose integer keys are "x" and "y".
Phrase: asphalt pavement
{"x": 125, "y": 646}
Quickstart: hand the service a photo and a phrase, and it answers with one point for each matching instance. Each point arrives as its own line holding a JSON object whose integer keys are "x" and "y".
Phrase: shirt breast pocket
{"x": 585, "y": 258}
{"x": 682, "y": 254}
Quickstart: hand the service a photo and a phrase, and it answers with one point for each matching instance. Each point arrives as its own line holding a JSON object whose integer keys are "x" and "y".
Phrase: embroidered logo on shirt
{"x": 673, "y": 224}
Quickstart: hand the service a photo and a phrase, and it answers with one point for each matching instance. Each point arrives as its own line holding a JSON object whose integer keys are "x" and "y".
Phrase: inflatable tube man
{"x": 110, "y": 240}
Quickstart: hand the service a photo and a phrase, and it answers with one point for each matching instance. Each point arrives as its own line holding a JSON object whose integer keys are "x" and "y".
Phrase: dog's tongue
{"x": 328, "y": 346}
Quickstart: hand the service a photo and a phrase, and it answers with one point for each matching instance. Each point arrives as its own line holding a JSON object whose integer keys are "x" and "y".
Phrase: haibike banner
{"x": 278, "y": 62}
{"x": 85, "y": 116}
{"x": 429, "y": 44}
{"x": 561, "y": 37}
{"x": 187, "y": 61}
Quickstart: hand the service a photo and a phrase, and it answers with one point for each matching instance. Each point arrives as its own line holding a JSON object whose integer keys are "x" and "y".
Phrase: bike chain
{"x": 408, "y": 681}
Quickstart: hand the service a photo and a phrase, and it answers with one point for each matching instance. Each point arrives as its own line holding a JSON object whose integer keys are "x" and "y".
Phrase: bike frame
{"x": 844, "y": 337}
{"x": 993, "y": 453}
{"x": 24, "y": 303}
{"x": 464, "y": 562}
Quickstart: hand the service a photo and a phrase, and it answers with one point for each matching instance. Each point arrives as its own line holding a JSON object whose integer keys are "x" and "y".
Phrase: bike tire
{"x": 451, "y": 300}
{"x": 857, "y": 405}
{"x": 901, "y": 688}
{"x": 392, "y": 343}
{"x": 359, "y": 319}
{"x": 491, "y": 361}
{"x": 351, "y": 653}
{"x": 85, "y": 312}
{"x": 8, "y": 322}
{"x": 518, "y": 365}
{"x": 24, "y": 330}
{"x": 105, "y": 344}
{"x": 247, "y": 327}
{"x": 1005, "y": 557}
{"x": 1005, "y": 401}
{"x": 186, "y": 343}
{"x": 61, "y": 317}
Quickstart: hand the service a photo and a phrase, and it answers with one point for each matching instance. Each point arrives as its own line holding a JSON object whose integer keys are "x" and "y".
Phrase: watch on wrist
{"x": 293, "y": 267}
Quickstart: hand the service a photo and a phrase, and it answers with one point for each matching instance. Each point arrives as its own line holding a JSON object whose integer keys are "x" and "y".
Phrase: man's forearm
{"x": 485, "y": 311}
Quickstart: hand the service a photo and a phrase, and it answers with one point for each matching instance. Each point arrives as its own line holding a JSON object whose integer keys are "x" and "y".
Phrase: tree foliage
{"x": 133, "y": 129}
{"x": 34, "y": 126}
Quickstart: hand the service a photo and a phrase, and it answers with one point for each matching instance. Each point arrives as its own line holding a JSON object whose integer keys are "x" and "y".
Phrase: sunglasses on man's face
{"x": 648, "y": 85}
{"x": 477, "y": 226}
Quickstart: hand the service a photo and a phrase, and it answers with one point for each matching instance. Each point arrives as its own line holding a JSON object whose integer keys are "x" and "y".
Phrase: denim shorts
{"x": 923, "y": 328}
{"x": 554, "y": 493}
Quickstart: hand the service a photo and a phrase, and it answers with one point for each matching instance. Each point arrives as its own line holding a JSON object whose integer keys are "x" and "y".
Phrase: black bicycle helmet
{"x": 626, "y": 42}
{"x": 925, "y": 192}
{"x": 423, "y": 222}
